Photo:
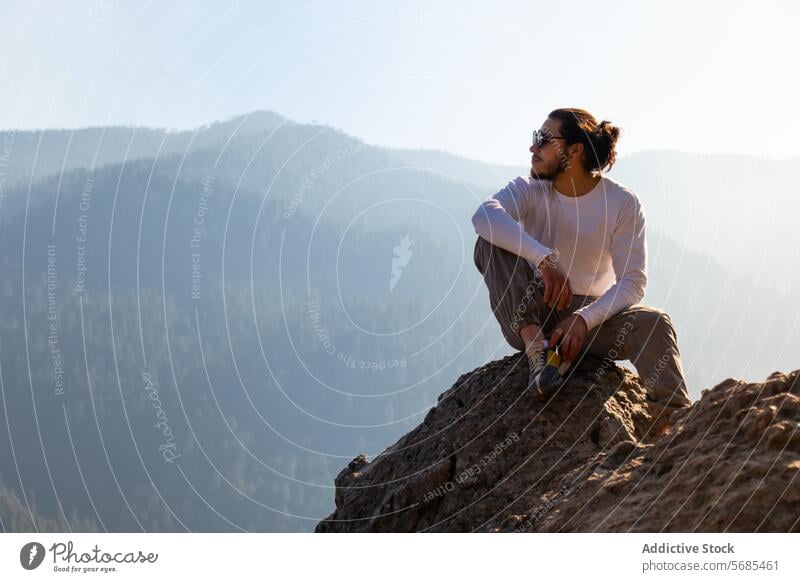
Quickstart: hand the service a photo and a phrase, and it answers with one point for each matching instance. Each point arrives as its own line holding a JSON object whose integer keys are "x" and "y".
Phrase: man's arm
{"x": 629, "y": 258}
{"x": 498, "y": 221}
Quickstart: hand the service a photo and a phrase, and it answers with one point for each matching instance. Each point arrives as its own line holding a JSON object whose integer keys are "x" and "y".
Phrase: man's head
{"x": 571, "y": 140}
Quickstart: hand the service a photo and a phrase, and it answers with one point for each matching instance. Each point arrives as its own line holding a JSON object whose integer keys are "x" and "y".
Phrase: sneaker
{"x": 545, "y": 370}
{"x": 537, "y": 360}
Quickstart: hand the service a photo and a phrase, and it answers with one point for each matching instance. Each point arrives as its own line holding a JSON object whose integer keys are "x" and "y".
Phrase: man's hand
{"x": 557, "y": 290}
{"x": 572, "y": 332}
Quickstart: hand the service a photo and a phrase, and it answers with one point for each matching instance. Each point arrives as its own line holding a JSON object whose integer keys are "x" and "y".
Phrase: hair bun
{"x": 606, "y": 135}
{"x": 606, "y": 128}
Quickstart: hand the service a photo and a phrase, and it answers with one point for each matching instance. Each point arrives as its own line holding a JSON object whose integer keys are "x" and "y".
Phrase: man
{"x": 563, "y": 254}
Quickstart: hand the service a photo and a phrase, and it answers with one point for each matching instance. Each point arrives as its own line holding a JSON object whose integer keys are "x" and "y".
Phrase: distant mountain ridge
{"x": 40, "y": 153}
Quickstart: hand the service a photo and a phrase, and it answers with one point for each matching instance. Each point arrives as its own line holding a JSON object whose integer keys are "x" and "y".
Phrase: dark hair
{"x": 599, "y": 139}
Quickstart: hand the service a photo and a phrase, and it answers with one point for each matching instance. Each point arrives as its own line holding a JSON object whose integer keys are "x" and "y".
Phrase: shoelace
{"x": 537, "y": 357}
{"x": 538, "y": 361}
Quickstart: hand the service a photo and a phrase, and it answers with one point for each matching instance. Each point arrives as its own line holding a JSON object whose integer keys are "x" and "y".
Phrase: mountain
{"x": 737, "y": 209}
{"x": 202, "y": 279}
{"x": 489, "y": 177}
{"x": 493, "y": 457}
{"x": 31, "y": 155}
{"x": 288, "y": 295}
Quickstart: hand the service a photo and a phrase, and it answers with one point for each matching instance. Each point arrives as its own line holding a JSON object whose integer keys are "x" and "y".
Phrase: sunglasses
{"x": 541, "y": 139}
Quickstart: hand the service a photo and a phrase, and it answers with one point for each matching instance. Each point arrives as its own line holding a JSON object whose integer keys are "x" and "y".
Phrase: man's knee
{"x": 659, "y": 322}
{"x": 481, "y": 254}
{"x": 490, "y": 257}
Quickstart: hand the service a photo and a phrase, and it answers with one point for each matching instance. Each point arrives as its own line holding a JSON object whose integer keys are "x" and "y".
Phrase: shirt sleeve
{"x": 629, "y": 259}
{"x": 499, "y": 220}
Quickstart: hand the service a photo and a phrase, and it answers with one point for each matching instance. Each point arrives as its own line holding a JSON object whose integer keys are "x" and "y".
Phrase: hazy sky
{"x": 468, "y": 77}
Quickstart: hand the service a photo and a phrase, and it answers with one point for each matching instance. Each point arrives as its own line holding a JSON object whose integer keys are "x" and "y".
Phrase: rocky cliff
{"x": 492, "y": 456}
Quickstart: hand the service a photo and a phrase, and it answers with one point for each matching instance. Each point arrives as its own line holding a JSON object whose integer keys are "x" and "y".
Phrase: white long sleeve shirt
{"x": 599, "y": 238}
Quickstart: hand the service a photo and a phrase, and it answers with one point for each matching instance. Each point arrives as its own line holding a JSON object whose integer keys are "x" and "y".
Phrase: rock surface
{"x": 492, "y": 456}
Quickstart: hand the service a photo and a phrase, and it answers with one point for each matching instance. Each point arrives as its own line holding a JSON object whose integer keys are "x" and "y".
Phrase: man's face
{"x": 549, "y": 160}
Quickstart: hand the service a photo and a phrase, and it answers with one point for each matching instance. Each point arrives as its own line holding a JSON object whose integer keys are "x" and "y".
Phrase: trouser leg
{"x": 645, "y": 336}
{"x": 516, "y": 292}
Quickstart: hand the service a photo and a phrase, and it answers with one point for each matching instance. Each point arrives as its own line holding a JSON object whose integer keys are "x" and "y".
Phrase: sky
{"x": 468, "y": 77}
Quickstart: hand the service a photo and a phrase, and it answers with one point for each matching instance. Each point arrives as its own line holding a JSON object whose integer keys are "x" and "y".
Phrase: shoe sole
{"x": 555, "y": 381}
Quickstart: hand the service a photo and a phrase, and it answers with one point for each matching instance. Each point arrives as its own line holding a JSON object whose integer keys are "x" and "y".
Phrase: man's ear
{"x": 576, "y": 151}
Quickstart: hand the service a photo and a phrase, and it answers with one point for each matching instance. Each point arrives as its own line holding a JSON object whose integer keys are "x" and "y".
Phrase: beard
{"x": 550, "y": 173}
